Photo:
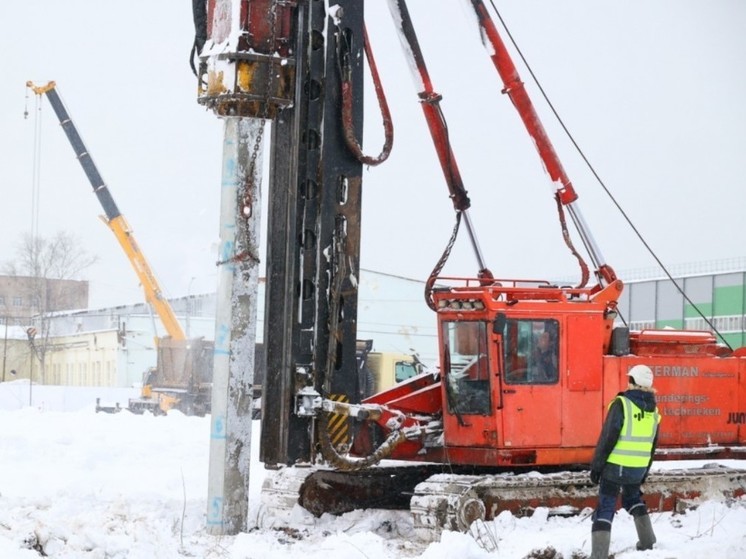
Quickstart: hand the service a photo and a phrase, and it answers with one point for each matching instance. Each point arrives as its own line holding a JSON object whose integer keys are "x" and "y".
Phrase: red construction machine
{"x": 511, "y": 418}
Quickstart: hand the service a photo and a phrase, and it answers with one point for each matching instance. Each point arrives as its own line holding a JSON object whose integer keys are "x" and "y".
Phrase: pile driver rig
{"x": 486, "y": 418}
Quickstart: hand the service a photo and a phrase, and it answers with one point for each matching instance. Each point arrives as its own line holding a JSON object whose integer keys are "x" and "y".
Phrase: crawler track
{"x": 447, "y": 502}
{"x": 452, "y": 501}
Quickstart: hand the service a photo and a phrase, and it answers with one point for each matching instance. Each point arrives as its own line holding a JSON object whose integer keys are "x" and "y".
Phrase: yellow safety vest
{"x": 635, "y": 443}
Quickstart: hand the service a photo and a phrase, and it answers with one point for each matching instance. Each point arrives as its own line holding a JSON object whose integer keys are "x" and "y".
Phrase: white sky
{"x": 653, "y": 92}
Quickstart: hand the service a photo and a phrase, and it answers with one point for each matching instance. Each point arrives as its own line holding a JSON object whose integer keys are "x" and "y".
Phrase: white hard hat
{"x": 641, "y": 375}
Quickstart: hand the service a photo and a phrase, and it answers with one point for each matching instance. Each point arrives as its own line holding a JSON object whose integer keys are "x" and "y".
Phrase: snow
{"x": 78, "y": 484}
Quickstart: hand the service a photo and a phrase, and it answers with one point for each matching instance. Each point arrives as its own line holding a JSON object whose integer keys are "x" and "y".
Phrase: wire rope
{"x": 601, "y": 182}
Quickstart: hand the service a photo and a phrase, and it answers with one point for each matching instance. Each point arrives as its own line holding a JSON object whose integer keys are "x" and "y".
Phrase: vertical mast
{"x": 313, "y": 255}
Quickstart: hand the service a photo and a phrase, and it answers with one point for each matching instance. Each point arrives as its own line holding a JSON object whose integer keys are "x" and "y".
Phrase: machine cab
{"x": 513, "y": 393}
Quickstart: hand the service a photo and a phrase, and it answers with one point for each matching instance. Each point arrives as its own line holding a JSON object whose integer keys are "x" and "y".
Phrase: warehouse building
{"x": 713, "y": 292}
{"x": 115, "y": 346}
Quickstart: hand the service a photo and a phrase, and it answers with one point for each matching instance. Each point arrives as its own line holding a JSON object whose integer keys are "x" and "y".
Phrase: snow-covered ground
{"x": 76, "y": 484}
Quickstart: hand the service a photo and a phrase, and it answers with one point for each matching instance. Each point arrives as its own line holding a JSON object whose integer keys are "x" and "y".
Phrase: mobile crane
{"x": 181, "y": 378}
{"x": 485, "y": 422}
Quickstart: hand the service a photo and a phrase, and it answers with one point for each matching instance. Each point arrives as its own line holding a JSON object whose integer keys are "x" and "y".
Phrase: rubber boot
{"x": 600, "y": 540}
{"x": 644, "y": 532}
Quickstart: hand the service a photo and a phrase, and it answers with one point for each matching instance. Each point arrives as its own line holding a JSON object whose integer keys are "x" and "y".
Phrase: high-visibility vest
{"x": 635, "y": 443}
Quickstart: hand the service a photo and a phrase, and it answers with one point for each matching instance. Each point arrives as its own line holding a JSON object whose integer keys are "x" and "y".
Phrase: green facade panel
{"x": 721, "y": 298}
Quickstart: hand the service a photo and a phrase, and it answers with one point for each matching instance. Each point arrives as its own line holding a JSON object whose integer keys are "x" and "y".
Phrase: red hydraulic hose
{"x": 347, "y": 124}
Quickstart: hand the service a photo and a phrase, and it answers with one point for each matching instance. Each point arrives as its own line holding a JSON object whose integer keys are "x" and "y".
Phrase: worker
{"x": 544, "y": 359}
{"x": 622, "y": 460}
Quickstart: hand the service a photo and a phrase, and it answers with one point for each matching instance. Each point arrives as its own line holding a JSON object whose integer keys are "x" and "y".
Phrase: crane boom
{"x": 113, "y": 218}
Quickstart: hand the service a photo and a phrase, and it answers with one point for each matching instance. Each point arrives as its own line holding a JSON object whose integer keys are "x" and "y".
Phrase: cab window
{"x": 404, "y": 370}
{"x": 531, "y": 351}
{"x": 466, "y": 368}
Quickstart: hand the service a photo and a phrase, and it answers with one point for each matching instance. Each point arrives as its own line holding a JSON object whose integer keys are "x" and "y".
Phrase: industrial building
{"x": 717, "y": 289}
{"x": 115, "y": 346}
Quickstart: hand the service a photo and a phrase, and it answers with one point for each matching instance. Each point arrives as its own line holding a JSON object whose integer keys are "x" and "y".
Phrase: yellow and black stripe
{"x": 338, "y": 425}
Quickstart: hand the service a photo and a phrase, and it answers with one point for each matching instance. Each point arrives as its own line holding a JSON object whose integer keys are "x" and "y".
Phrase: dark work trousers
{"x": 616, "y": 479}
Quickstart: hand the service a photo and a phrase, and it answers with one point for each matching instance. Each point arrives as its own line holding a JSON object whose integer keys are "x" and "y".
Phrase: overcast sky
{"x": 653, "y": 92}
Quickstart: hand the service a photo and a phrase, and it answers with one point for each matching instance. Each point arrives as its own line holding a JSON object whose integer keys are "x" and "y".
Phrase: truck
{"x": 380, "y": 370}
{"x": 182, "y": 378}
{"x": 484, "y": 432}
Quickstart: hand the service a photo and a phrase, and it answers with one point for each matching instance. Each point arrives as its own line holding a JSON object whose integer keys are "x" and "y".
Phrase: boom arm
{"x": 436, "y": 122}
{"x": 513, "y": 87}
{"x": 114, "y": 219}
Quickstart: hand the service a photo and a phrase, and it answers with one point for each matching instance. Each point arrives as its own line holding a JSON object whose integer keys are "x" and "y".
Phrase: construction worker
{"x": 622, "y": 460}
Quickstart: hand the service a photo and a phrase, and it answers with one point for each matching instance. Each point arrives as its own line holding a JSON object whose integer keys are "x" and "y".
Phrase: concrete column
{"x": 235, "y": 327}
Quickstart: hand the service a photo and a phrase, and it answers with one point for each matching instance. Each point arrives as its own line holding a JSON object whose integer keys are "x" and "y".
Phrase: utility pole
{"x": 189, "y": 307}
{"x": 31, "y": 333}
{"x": 30, "y": 377}
{"x": 5, "y": 346}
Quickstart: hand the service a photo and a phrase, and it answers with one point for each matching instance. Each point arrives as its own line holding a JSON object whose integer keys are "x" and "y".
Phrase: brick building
{"x": 22, "y": 297}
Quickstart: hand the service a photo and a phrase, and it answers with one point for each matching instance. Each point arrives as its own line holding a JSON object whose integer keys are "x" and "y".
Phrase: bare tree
{"x": 60, "y": 257}
{"x": 46, "y": 263}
